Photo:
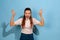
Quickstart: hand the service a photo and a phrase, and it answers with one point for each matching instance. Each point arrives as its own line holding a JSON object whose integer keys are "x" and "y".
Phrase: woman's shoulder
{"x": 33, "y": 18}
{"x": 20, "y": 18}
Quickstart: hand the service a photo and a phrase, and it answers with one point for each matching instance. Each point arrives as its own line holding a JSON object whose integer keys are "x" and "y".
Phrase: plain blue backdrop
{"x": 51, "y": 14}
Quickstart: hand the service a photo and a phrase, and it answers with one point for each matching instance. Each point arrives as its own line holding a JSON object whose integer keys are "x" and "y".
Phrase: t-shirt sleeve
{"x": 18, "y": 22}
{"x": 35, "y": 21}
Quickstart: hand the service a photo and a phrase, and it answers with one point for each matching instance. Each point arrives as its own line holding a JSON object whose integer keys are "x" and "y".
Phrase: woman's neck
{"x": 27, "y": 18}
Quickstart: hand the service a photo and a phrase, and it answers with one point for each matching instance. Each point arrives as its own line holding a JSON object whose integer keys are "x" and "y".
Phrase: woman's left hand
{"x": 40, "y": 13}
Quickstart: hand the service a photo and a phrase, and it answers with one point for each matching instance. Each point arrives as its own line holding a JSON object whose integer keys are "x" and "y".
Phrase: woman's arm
{"x": 12, "y": 19}
{"x": 42, "y": 19}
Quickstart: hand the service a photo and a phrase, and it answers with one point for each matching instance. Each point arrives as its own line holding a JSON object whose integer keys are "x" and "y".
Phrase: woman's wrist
{"x": 13, "y": 15}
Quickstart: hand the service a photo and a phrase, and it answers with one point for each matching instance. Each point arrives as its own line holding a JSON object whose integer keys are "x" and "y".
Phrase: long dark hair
{"x": 24, "y": 18}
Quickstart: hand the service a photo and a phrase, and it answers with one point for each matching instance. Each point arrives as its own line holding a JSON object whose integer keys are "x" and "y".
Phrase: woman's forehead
{"x": 27, "y": 11}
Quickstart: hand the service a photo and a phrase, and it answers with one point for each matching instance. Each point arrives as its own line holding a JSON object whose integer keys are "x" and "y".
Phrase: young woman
{"x": 27, "y": 23}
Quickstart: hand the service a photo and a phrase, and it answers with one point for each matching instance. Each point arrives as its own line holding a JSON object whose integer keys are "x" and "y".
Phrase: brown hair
{"x": 23, "y": 21}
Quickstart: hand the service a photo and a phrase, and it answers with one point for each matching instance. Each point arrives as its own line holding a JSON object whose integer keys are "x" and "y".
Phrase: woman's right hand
{"x": 13, "y": 12}
{"x": 12, "y": 18}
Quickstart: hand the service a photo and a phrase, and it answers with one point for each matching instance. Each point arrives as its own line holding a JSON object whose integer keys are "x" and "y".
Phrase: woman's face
{"x": 27, "y": 13}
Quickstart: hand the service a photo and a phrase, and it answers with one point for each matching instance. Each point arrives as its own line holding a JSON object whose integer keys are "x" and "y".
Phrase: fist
{"x": 40, "y": 13}
{"x": 13, "y": 12}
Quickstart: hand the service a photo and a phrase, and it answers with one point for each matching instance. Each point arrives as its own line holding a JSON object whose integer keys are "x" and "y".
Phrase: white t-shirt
{"x": 27, "y": 29}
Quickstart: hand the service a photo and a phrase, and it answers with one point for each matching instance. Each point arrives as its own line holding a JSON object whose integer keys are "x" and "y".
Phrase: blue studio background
{"x": 51, "y": 14}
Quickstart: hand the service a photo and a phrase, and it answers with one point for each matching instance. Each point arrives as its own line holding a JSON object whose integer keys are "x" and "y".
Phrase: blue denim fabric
{"x": 26, "y": 36}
